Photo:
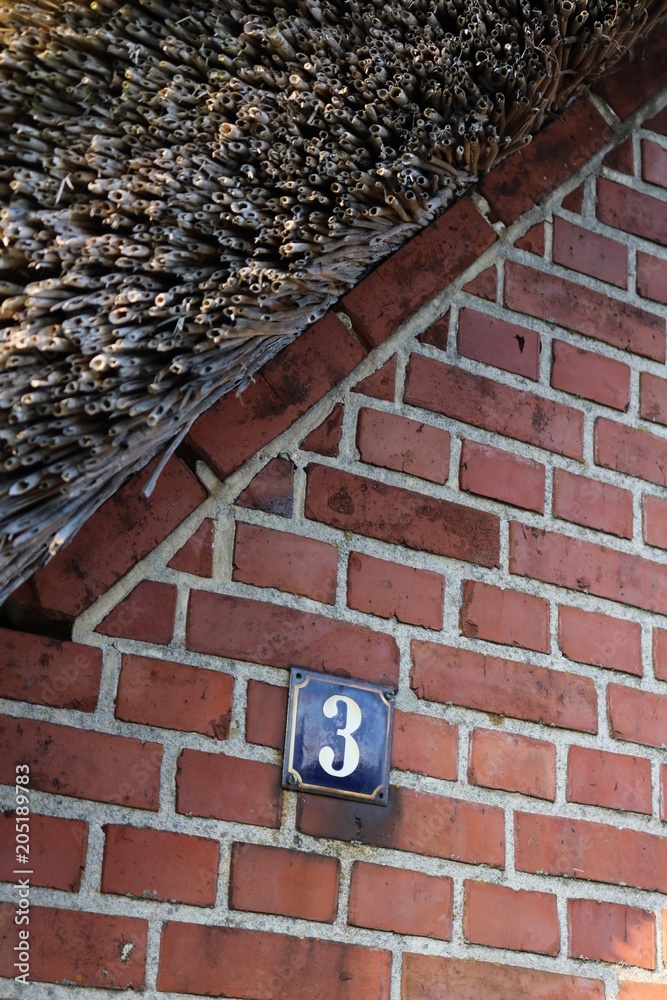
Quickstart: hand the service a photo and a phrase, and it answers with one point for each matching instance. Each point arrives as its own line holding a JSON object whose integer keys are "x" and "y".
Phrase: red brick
{"x": 613, "y": 780}
{"x": 533, "y": 240}
{"x": 157, "y": 864}
{"x": 236, "y": 427}
{"x": 272, "y": 489}
{"x": 504, "y": 687}
{"x": 602, "y": 641}
{"x": 381, "y": 384}
{"x": 610, "y": 932}
{"x": 658, "y": 123}
{"x": 46, "y": 672}
{"x": 411, "y": 446}
{"x": 325, "y": 439}
{"x": 424, "y": 744}
{"x": 654, "y": 163}
{"x": 590, "y": 375}
{"x": 641, "y": 991}
{"x": 496, "y": 342}
{"x": 235, "y": 962}
{"x": 499, "y": 475}
{"x": 242, "y": 629}
{"x": 653, "y": 398}
{"x": 290, "y": 883}
{"x": 631, "y": 450}
{"x": 219, "y": 787}
{"x": 391, "y": 589}
{"x": 652, "y": 277}
{"x": 74, "y": 947}
{"x": 64, "y": 760}
{"x": 597, "y": 852}
{"x": 500, "y": 917}
{"x": 574, "y": 201}
{"x": 555, "y": 153}
{"x": 583, "y": 310}
{"x": 593, "y": 504}
{"x": 266, "y": 714}
{"x": 57, "y": 850}
{"x": 621, "y": 157}
{"x": 131, "y": 525}
{"x": 426, "y": 977}
{"x": 401, "y": 517}
{"x": 585, "y": 566}
{"x": 484, "y": 285}
{"x": 660, "y": 653}
{"x": 413, "y": 275}
{"x": 196, "y": 556}
{"x": 505, "y": 616}
{"x": 663, "y": 797}
{"x": 419, "y": 822}
{"x": 437, "y": 334}
{"x": 292, "y": 563}
{"x": 485, "y": 403}
{"x": 590, "y": 253}
{"x": 633, "y": 212}
{"x": 639, "y": 75}
{"x": 174, "y": 696}
{"x": 654, "y": 518}
{"x": 147, "y": 614}
{"x": 425, "y": 908}
{"x": 637, "y": 716}
{"x": 512, "y": 763}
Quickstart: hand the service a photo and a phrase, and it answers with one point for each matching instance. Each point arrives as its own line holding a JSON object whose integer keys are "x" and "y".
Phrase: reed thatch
{"x": 187, "y": 184}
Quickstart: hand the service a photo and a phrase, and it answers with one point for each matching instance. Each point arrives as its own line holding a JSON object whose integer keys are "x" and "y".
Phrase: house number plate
{"x": 338, "y": 738}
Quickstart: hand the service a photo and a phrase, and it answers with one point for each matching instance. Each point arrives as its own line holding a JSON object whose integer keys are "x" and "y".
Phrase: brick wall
{"x": 455, "y": 485}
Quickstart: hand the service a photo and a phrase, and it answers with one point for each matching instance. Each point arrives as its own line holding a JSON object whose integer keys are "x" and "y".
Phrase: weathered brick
{"x": 496, "y": 342}
{"x": 196, "y": 556}
{"x": 272, "y": 489}
{"x": 584, "y": 310}
{"x": 501, "y": 917}
{"x": 238, "y": 426}
{"x": 614, "y": 780}
{"x": 637, "y": 716}
{"x": 621, "y": 157}
{"x": 57, "y": 850}
{"x": 46, "y": 672}
{"x": 600, "y": 640}
{"x": 174, "y": 696}
{"x": 658, "y": 123}
{"x": 639, "y": 75}
{"x": 401, "y": 517}
{"x": 88, "y": 949}
{"x": 512, "y": 763}
{"x": 484, "y": 285}
{"x": 633, "y": 212}
{"x": 411, "y": 446}
{"x": 653, "y": 398}
{"x": 424, "y": 744}
{"x": 654, "y": 163}
{"x": 381, "y": 384}
{"x": 660, "y": 653}
{"x": 325, "y": 439}
{"x": 64, "y": 760}
{"x": 592, "y": 503}
{"x": 290, "y": 883}
{"x": 499, "y": 475}
{"x": 585, "y": 566}
{"x": 426, "y": 977}
{"x": 533, "y": 241}
{"x": 652, "y": 277}
{"x": 436, "y": 335}
{"x": 147, "y": 614}
{"x": 590, "y": 375}
{"x": 581, "y": 250}
{"x": 219, "y": 787}
{"x": 266, "y": 714}
{"x": 641, "y": 991}
{"x": 597, "y": 852}
{"x": 505, "y": 687}
{"x": 504, "y": 616}
{"x": 242, "y": 629}
{"x": 425, "y": 908}
{"x": 631, "y": 450}
{"x": 413, "y": 275}
{"x": 485, "y": 403}
{"x": 610, "y": 932}
{"x": 158, "y": 864}
{"x": 663, "y": 794}
{"x": 247, "y": 964}
{"x": 297, "y": 565}
{"x": 574, "y": 201}
{"x": 390, "y": 589}
{"x": 420, "y": 822}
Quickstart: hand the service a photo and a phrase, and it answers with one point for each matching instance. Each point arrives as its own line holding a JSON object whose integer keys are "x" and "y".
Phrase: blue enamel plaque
{"x": 338, "y": 738}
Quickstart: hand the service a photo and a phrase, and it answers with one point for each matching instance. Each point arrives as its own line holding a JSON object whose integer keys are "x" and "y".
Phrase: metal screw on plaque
{"x": 389, "y": 695}
{"x": 291, "y": 779}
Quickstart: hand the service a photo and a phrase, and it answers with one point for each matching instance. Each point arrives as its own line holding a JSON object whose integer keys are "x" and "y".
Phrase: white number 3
{"x": 351, "y": 753}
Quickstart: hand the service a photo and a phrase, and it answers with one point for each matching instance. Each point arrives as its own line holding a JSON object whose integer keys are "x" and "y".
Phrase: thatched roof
{"x": 185, "y": 186}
